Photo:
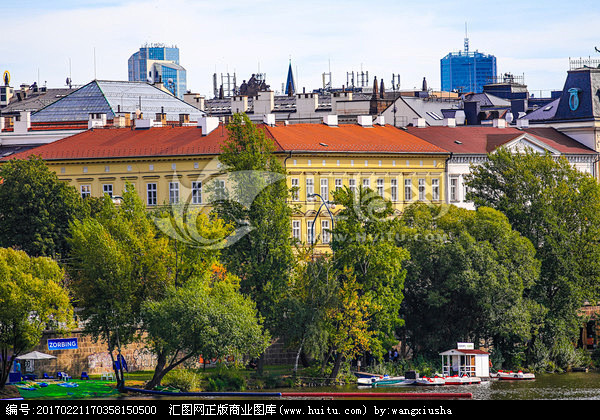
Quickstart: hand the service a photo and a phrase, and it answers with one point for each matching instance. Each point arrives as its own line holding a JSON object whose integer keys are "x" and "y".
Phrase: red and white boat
{"x": 435, "y": 381}
{"x": 462, "y": 380}
{"x": 514, "y": 376}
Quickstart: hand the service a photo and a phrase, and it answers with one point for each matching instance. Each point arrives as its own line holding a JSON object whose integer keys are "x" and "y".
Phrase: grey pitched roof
{"x": 35, "y": 101}
{"x": 546, "y": 112}
{"x": 112, "y": 97}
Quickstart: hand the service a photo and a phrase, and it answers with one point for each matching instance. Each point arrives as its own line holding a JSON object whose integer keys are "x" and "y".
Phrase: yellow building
{"x": 169, "y": 165}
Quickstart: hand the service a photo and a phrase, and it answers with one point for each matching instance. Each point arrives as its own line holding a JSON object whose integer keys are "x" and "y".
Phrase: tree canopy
{"x": 556, "y": 207}
{"x": 32, "y": 297}
{"x": 36, "y": 208}
{"x": 468, "y": 279}
{"x": 255, "y": 204}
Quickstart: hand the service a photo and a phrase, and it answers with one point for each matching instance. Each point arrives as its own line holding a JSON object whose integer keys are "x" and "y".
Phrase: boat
{"x": 515, "y": 376}
{"x": 385, "y": 381}
{"x": 366, "y": 375}
{"x": 435, "y": 381}
{"x": 462, "y": 380}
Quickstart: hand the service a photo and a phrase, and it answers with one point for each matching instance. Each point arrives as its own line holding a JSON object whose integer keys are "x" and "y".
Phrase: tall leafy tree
{"x": 557, "y": 208}
{"x": 117, "y": 262}
{"x": 32, "y": 298}
{"x": 36, "y": 208}
{"x": 363, "y": 242}
{"x": 206, "y": 316}
{"x": 255, "y": 204}
{"x": 468, "y": 280}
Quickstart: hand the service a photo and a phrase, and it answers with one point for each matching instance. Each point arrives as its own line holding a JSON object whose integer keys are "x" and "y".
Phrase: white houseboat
{"x": 465, "y": 361}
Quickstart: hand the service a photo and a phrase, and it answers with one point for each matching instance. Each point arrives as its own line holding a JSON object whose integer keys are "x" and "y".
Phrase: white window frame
{"x": 173, "y": 192}
{"x": 380, "y": 187}
{"x": 394, "y": 189}
{"x": 408, "y": 189}
{"x": 366, "y": 182}
{"x": 310, "y": 189}
{"x": 151, "y": 193}
{"x": 86, "y": 191}
{"x": 196, "y": 192}
{"x": 219, "y": 189}
{"x": 309, "y": 232}
{"x": 107, "y": 189}
{"x": 338, "y": 184}
{"x": 296, "y": 230}
{"x": 295, "y": 189}
{"x": 435, "y": 189}
{"x": 454, "y": 189}
{"x": 352, "y": 185}
{"x": 422, "y": 191}
{"x": 325, "y": 234}
{"x": 325, "y": 188}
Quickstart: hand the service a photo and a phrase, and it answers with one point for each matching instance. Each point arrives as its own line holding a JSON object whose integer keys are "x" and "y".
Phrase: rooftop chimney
{"x": 208, "y": 124}
{"x": 499, "y": 123}
{"x": 269, "y": 119}
{"x": 365, "y": 121}
{"x": 330, "y": 120}
{"x": 450, "y": 122}
{"x": 419, "y": 122}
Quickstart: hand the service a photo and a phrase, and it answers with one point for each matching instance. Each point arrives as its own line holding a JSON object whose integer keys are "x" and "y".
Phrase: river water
{"x": 567, "y": 386}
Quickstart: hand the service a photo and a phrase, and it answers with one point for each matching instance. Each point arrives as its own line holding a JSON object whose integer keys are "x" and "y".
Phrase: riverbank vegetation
{"x": 509, "y": 276}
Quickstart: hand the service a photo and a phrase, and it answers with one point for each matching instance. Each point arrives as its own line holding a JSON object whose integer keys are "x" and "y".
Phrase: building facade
{"x": 470, "y": 145}
{"x": 158, "y": 63}
{"x": 179, "y": 165}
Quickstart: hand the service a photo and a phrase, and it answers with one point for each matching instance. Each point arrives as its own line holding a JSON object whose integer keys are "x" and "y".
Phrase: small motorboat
{"x": 434, "y": 381}
{"x": 514, "y": 376}
{"x": 366, "y": 375}
{"x": 462, "y": 380}
{"x": 385, "y": 381}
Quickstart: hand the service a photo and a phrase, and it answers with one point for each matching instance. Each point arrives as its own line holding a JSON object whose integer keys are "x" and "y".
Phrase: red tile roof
{"x": 349, "y": 138}
{"x": 125, "y": 142}
{"x": 483, "y": 139}
{"x": 178, "y": 141}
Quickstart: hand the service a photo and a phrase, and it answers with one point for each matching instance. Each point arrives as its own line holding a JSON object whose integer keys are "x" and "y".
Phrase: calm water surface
{"x": 567, "y": 386}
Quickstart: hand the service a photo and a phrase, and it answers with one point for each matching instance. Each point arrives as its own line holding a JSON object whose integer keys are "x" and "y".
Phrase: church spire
{"x": 290, "y": 86}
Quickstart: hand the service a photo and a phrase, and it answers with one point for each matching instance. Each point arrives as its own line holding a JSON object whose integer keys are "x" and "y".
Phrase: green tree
{"x": 468, "y": 280}
{"x": 557, "y": 208}
{"x": 311, "y": 293}
{"x": 31, "y": 298}
{"x": 117, "y": 262}
{"x": 36, "y": 208}
{"x": 363, "y": 242}
{"x": 255, "y": 204}
{"x": 207, "y": 316}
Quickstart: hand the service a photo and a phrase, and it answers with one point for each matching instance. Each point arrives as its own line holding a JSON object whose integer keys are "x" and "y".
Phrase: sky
{"x": 47, "y": 41}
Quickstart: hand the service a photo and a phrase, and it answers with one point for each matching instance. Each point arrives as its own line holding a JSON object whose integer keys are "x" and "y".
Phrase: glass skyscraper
{"x": 157, "y": 62}
{"x": 466, "y": 71}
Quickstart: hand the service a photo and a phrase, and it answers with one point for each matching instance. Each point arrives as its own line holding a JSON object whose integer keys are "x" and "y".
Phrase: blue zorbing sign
{"x": 62, "y": 344}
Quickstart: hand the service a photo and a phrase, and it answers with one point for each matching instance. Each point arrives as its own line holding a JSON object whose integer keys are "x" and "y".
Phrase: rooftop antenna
{"x": 466, "y": 39}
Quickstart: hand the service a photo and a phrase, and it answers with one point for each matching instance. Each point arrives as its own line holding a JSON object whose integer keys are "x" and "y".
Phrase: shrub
{"x": 183, "y": 379}
{"x": 226, "y": 380}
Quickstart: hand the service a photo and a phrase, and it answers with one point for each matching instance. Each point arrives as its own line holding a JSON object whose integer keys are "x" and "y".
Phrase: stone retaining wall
{"x": 93, "y": 357}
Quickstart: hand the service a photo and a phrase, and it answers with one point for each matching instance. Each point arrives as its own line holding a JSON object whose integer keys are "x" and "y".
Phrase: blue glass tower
{"x": 466, "y": 71}
{"x": 157, "y": 62}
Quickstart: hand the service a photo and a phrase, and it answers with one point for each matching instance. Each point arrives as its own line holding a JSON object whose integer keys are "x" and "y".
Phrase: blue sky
{"x": 95, "y": 38}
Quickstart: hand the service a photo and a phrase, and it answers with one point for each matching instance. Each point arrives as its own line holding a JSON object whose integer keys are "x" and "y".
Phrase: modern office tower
{"x": 157, "y": 63}
{"x": 467, "y": 71}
